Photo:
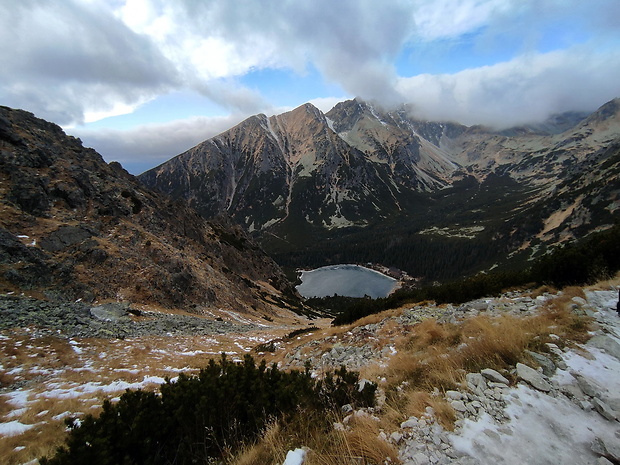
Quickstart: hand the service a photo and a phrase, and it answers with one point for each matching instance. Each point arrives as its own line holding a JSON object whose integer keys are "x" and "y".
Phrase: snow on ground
{"x": 552, "y": 430}
{"x": 49, "y": 379}
{"x": 295, "y": 457}
{"x": 78, "y": 390}
{"x": 13, "y": 428}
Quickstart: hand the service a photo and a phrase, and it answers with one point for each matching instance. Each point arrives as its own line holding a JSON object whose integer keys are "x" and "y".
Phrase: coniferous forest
{"x": 585, "y": 262}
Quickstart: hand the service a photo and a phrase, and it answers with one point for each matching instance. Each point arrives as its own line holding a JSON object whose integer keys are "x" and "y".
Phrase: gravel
{"x": 112, "y": 320}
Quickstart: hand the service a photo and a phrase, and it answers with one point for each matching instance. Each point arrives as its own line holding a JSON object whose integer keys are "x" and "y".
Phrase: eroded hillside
{"x": 74, "y": 227}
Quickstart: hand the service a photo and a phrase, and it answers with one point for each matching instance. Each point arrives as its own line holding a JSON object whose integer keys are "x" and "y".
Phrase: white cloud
{"x": 145, "y": 146}
{"x": 76, "y": 60}
{"x": 440, "y": 19}
{"x": 326, "y": 103}
{"x": 527, "y": 89}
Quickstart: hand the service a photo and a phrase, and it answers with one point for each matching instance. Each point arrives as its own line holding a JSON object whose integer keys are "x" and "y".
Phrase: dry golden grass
{"x": 416, "y": 403}
{"x": 363, "y": 441}
{"x": 378, "y": 317}
{"x": 542, "y": 290}
{"x": 270, "y": 449}
{"x": 359, "y": 443}
{"x": 612, "y": 283}
{"x": 438, "y": 356}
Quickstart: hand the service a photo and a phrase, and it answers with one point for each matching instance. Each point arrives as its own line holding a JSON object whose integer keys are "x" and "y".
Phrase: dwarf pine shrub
{"x": 206, "y": 417}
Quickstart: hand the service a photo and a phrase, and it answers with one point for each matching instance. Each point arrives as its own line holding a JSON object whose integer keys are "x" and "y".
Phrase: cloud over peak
{"x": 499, "y": 62}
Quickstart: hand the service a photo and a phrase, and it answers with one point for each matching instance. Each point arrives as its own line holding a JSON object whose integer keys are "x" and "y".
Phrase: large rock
{"x": 110, "y": 312}
{"x": 589, "y": 387}
{"x": 607, "y": 344}
{"x": 65, "y": 236}
{"x": 604, "y": 409}
{"x": 533, "y": 378}
{"x": 608, "y": 450}
{"x": 548, "y": 367}
{"x": 494, "y": 376}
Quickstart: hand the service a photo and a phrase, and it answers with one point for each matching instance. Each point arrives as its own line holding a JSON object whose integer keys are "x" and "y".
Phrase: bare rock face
{"x": 73, "y": 226}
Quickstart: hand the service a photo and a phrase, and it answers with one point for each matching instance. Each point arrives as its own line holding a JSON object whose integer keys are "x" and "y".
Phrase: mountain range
{"x": 74, "y": 227}
{"x": 436, "y": 199}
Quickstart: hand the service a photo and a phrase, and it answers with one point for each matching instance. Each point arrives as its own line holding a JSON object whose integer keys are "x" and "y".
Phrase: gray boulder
{"x": 606, "y": 344}
{"x": 605, "y": 410}
{"x": 533, "y": 378}
{"x": 545, "y": 363}
{"x": 494, "y": 376}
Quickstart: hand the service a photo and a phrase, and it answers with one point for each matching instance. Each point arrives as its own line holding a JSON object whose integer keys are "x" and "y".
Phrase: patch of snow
{"x": 61, "y": 416}
{"x": 543, "y": 430}
{"x": 17, "y": 412}
{"x": 13, "y": 428}
{"x": 237, "y": 317}
{"x": 18, "y": 399}
{"x": 93, "y": 387}
{"x": 295, "y": 457}
{"x": 75, "y": 347}
{"x": 190, "y": 353}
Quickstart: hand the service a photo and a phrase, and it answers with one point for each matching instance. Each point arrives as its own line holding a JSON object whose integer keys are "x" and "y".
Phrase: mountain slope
{"x": 72, "y": 226}
{"x": 292, "y": 167}
{"x": 436, "y": 199}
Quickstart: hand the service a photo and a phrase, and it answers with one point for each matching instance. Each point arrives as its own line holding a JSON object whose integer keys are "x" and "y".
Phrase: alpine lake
{"x": 345, "y": 280}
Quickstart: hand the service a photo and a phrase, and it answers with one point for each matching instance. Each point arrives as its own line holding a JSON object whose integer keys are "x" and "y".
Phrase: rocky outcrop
{"x": 74, "y": 227}
{"x": 107, "y": 321}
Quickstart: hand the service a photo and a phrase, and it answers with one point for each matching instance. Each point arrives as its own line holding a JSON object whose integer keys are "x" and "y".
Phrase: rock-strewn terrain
{"x": 362, "y": 344}
{"x": 560, "y": 405}
{"x": 111, "y": 320}
{"x": 564, "y": 408}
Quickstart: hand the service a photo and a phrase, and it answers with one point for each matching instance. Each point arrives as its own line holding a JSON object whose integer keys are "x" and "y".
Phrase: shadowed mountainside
{"x": 74, "y": 227}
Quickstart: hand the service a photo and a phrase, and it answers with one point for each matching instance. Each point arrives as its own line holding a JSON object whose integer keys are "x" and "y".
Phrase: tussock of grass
{"x": 271, "y": 449}
{"x": 363, "y": 441}
{"x": 417, "y": 402}
{"x": 358, "y": 442}
{"x": 437, "y": 356}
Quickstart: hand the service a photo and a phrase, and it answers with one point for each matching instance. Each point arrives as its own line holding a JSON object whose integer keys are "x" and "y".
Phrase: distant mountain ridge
{"x": 303, "y": 177}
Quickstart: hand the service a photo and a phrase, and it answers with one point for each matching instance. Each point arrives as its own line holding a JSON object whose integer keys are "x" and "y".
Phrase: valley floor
{"x": 566, "y": 416}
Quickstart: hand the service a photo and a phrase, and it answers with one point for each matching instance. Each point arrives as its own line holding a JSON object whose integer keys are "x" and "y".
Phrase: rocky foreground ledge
{"x": 110, "y": 320}
{"x": 567, "y": 411}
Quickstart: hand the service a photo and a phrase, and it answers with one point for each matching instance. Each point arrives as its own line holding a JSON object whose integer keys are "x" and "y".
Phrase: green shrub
{"x": 206, "y": 417}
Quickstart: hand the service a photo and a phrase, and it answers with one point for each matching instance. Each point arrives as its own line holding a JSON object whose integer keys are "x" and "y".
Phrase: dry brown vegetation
{"x": 431, "y": 357}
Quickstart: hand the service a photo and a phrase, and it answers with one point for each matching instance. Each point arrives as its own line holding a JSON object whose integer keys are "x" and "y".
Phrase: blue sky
{"x": 144, "y": 80}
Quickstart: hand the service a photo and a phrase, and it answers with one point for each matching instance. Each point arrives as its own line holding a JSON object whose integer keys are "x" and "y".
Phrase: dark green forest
{"x": 585, "y": 262}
